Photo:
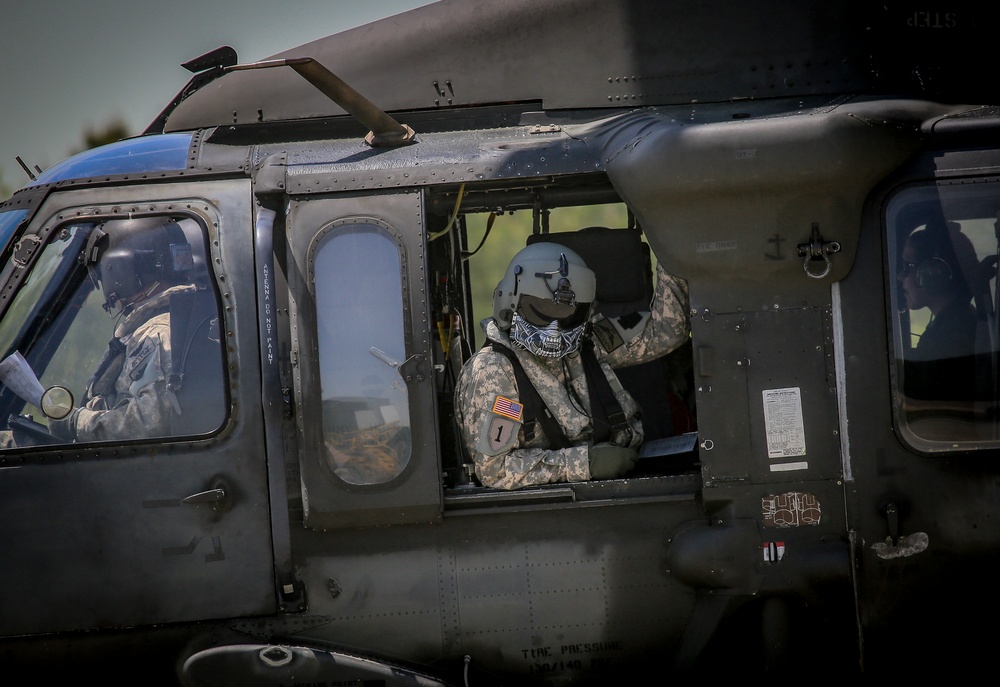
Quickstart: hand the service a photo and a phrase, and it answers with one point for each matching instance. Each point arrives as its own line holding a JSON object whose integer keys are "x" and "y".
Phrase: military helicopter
{"x": 302, "y": 512}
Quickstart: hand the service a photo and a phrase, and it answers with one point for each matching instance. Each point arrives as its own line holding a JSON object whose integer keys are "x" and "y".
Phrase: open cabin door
{"x": 145, "y": 522}
{"x": 363, "y": 368}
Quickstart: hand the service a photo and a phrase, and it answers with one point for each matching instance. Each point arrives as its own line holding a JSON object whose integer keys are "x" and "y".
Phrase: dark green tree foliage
{"x": 111, "y": 131}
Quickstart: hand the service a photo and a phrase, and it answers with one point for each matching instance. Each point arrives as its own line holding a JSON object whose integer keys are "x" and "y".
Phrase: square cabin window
{"x": 942, "y": 252}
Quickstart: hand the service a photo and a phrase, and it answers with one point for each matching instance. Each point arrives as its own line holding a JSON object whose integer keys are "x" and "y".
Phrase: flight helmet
{"x": 126, "y": 257}
{"x": 545, "y": 299}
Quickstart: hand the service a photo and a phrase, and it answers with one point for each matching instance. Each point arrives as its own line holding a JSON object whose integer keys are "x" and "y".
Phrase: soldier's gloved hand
{"x": 65, "y": 428}
{"x": 608, "y": 461}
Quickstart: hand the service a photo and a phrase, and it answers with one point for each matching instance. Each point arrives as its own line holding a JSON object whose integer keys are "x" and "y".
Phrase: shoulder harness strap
{"x": 535, "y": 410}
{"x": 608, "y": 416}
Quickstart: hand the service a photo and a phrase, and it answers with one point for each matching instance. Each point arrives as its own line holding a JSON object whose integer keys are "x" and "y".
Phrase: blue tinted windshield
{"x": 8, "y": 223}
{"x": 160, "y": 153}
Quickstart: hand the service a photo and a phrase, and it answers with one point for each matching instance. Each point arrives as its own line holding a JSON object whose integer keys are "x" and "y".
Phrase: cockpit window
{"x": 943, "y": 256}
{"x": 366, "y": 420}
{"x": 8, "y": 223}
{"x": 118, "y": 316}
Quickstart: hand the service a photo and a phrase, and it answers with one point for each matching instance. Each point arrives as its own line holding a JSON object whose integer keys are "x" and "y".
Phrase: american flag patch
{"x": 508, "y": 408}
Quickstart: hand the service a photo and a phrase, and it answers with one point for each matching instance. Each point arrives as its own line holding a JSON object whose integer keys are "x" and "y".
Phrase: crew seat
{"x": 198, "y": 381}
{"x": 622, "y": 262}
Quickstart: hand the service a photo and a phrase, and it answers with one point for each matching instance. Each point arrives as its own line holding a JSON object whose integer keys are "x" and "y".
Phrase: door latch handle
{"x": 210, "y": 496}
{"x": 892, "y": 520}
{"x": 217, "y": 496}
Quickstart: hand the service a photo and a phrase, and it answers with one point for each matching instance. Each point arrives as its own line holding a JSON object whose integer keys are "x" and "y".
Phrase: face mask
{"x": 546, "y": 342}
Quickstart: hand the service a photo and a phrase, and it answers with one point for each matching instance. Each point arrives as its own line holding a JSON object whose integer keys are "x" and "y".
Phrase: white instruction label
{"x": 786, "y": 435}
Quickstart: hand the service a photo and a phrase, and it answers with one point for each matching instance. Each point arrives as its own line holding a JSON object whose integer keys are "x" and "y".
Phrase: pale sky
{"x": 66, "y": 65}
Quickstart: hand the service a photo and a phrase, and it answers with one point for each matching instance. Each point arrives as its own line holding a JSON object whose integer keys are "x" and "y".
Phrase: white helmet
{"x": 545, "y": 299}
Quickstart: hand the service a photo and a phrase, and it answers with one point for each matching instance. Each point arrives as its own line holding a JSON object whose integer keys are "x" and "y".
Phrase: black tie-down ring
{"x": 817, "y": 249}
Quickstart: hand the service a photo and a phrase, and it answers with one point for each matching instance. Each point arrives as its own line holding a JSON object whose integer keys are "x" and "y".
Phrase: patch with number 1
{"x": 500, "y": 430}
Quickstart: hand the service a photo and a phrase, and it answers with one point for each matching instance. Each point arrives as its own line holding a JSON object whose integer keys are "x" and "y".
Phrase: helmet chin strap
{"x": 129, "y": 305}
{"x": 145, "y": 293}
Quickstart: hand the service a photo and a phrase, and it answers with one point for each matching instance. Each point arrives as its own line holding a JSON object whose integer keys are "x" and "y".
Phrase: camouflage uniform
{"x": 494, "y": 436}
{"x": 128, "y": 398}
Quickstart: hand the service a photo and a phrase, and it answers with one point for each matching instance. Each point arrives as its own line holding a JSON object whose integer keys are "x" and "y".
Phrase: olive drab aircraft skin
{"x": 296, "y": 508}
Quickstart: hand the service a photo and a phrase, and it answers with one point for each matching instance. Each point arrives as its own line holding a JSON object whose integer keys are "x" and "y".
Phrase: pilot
{"x": 540, "y": 402}
{"x": 936, "y": 266}
{"x": 138, "y": 264}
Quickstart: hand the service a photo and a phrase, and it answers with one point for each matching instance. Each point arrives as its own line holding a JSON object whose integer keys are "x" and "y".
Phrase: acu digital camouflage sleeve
{"x": 489, "y": 416}
{"x": 656, "y": 333}
{"x": 139, "y": 405}
{"x": 490, "y": 425}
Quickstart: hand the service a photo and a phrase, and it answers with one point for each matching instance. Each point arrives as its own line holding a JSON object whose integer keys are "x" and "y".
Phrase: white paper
{"x": 668, "y": 446}
{"x": 17, "y": 375}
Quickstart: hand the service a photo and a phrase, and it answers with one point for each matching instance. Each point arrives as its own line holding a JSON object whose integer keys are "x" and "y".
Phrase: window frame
{"x": 415, "y": 495}
{"x": 937, "y": 426}
{"x": 32, "y": 247}
{"x": 391, "y": 362}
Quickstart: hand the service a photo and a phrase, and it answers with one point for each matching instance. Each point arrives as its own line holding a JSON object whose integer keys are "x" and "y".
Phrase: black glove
{"x": 64, "y": 429}
{"x": 608, "y": 461}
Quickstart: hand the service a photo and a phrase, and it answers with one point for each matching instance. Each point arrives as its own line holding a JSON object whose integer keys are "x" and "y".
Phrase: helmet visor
{"x": 543, "y": 311}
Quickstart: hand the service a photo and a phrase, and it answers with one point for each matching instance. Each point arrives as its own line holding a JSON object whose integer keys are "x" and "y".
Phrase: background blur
{"x": 73, "y": 69}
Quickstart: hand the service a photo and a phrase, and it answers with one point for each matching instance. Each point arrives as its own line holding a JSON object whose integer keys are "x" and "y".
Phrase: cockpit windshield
{"x": 143, "y": 154}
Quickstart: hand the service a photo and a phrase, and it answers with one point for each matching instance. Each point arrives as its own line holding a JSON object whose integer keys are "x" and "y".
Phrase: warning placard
{"x": 786, "y": 435}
